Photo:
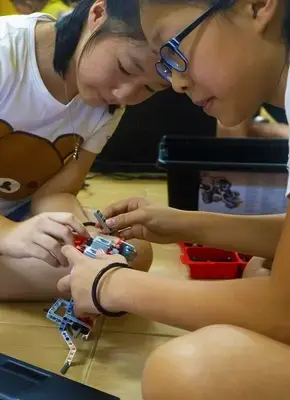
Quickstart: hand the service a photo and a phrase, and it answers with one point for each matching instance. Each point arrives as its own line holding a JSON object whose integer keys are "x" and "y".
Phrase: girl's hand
{"x": 42, "y": 237}
{"x": 125, "y": 206}
{"x": 136, "y": 218}
{"x": 80, "y": 281}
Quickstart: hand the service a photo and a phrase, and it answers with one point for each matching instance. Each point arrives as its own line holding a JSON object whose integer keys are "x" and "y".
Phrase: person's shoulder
{"x": 13, "y": 38}
{"x": 16, "y": 25}
{"x": 16, "y": 37}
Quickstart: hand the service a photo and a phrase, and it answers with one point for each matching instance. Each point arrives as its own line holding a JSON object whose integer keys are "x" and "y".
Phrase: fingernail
{"x": 110, "y": 222}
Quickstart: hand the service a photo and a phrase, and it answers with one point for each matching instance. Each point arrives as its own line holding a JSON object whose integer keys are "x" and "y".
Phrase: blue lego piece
{"x": 100, "y": 244}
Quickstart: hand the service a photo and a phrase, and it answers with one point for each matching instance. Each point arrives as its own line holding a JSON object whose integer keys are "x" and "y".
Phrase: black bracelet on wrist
{"x": 88, "y": 223}
{"x": 94, "y": 290}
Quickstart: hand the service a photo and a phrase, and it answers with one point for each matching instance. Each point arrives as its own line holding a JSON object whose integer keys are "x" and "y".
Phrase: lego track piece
{"x": 71, "y": 354}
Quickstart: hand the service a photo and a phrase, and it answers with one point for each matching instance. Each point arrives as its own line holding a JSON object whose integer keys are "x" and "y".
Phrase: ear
{"x": 97, "y": 15}
{"x": 263, "y": 12}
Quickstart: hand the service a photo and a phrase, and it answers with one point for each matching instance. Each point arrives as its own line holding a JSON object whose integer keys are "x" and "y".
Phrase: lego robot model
{"x": 68, "y": 324}
{"x": 219, "y": 190}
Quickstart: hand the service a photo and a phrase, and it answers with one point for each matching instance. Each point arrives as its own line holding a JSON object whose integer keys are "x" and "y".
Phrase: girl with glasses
{"x": 230, "y": 57}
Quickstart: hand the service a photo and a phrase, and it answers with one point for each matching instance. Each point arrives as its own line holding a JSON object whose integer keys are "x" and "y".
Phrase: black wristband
{"x": 88, "y": 223}
{"x": 95, "y": 285}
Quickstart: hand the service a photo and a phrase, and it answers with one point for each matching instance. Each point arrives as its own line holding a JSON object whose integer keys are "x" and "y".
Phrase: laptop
{"x": 22, "y": 381}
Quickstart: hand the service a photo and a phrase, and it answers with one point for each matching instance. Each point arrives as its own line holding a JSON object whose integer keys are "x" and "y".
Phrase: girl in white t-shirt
{"x": 63, "y": 88}
{"x": 229, "y": 56}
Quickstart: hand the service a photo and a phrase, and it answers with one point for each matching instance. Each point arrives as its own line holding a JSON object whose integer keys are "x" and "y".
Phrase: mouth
{"x": 203, "y": 103}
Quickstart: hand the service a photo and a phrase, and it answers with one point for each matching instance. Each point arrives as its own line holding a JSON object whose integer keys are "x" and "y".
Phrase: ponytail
{"x": 68, "y": 33}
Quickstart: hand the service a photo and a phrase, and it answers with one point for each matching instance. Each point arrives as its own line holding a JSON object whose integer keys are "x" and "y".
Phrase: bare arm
{"x": 256, "y": 304}
{"x": 59, "y": 202}
{"x": 259, "y": 304}
{"x": 59, "y": 193}
{"x": 252, "y": 235}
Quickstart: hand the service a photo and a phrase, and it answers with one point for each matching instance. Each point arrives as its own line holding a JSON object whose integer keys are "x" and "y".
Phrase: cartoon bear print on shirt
{"x": 28, "y": 161}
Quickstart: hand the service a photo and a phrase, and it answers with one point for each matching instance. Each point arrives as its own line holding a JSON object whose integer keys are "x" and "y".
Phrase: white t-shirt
{"x": 37, "y": 133}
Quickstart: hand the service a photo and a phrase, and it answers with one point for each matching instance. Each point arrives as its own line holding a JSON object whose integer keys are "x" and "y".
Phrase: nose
{"x": 123, "y": 91}
{"x": 180, "y": 82}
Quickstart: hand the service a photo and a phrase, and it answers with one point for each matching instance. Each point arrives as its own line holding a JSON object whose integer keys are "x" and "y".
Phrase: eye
{"x": 122, "y": 69}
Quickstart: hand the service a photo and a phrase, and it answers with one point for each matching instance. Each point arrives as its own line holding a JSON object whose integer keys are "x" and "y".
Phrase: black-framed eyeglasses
{"x": 171, "y": 56}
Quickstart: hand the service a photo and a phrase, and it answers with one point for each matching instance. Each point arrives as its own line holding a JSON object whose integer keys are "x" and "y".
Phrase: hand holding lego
{"x": 42, "y": 237}
{"x": 125, "y": 206}
{"x": 136, "y": 218}
{"x": 79, "y": 283}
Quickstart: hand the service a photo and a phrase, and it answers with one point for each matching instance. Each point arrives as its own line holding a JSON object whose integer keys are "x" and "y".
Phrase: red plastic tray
{"x": 208, "y": 263}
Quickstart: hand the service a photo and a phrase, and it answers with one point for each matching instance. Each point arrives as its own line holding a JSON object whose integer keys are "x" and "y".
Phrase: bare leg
{"x": 144, "y": 257}
{"x": 218, "y": 362}
{"x": 28, "y": 279}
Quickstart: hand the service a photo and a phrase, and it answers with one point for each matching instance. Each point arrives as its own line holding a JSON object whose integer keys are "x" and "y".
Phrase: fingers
{"x": 52, "y": 245}
{"x": 59, "y": 231}
{"x": 116, "y": 208}
{"x": 64, "y": 284}
{"x": 40, "y": 253}
{"x": 73, "y": 255}
{"x": 135, "y": 232}
{"x": 124, "y": 221}
{"x": 124, "y": 206}
{"x": 127, "y": 234}
{"x": 70, "y": 220}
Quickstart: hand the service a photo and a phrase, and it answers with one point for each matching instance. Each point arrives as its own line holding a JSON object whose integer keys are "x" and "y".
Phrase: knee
{"x": 144, "y": 258}
{"x": 192, "y": 366}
